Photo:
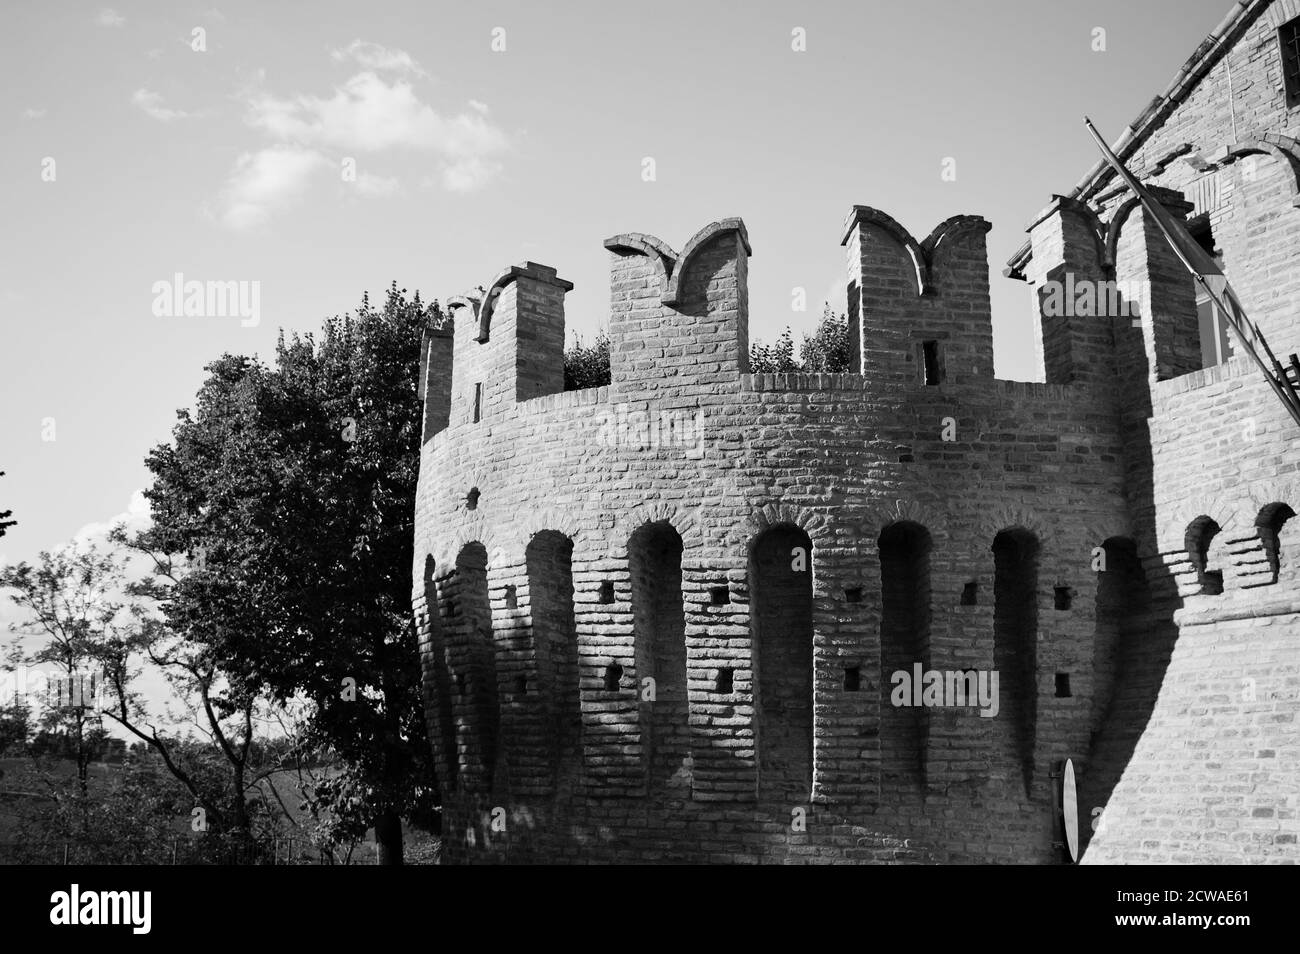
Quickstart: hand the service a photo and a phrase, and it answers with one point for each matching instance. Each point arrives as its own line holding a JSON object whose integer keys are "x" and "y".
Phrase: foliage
{"x": 4, "y": 523}
{"x": 587, "y": 366}
{"x": 825, "y": 351}
{"x": 292, "y": 488}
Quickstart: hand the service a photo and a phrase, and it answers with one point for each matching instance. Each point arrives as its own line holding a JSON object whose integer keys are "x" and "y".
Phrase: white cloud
{"x": 134, "y": 517}
{"x": 30, "y": 113}
{"x": 467, "y": 175}
{"x": 366, "y": 114}
{"x": 109, "y": 18}
{"x": 266, "y": 182}
{"x": 481, "y": 107}
{"x": 377, "y": 187}
{"x": 151, "y": 103}
{"x": 369, "y": 115}
{"x": 372, "y": 56}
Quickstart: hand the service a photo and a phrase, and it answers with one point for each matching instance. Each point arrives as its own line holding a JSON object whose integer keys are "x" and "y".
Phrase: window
{"x": 1199, "y": 534}
{"x": 932, "y": 368}
{"x": 478, "y": 402}
{"x": 1216, "y": 344}
{"x": 1288, "y": 39}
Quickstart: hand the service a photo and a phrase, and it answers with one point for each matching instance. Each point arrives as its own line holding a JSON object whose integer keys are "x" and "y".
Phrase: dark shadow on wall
{"x": 1135, "y": 642}
{"x": 659, "y": 624}
{"x": 474, "y": 670}
{"x": 781, "y": 620}
{"x": 904, "y": 640}
{"x": 1015, "y": 642}
{"x": 549, "y": 560}
{"x": 438, "y": 681}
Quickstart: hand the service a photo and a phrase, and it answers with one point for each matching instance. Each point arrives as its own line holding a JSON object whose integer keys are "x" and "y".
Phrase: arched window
{"x": 549, "y": 559}
{"x": 1121, "y": 604}
{"x": 781, "y": 627}
{"x": 1269, "y": 525}
{"x": 436, "y": 665}
{"x": 1015, "y": 639}
{"x": 904, "y": 641}
{"x": 1199, "y": 534}
{"x": 477, "y": 671}
{"x": 659, "y": 622}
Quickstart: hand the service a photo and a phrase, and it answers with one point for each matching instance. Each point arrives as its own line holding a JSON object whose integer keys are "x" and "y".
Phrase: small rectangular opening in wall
{"x": 613, "y": 677}
{"x": 853, "y": 594}
{"x": 1062, "y": 685}
{"x": 606, "y": 594}
{"x": 906, "y": 458}
{"x": 521, "y": 685}
{"x": 852, "y": 678}
{"x": 512, "y": 598}
{"x": 724, "y": 681}
{"x": 478, "y": 402}
{"x": 931, "y": 366}
{"x": 719, "y": 595}
{"x": 1064, "y": 596}
{"x": 970, "y": 594}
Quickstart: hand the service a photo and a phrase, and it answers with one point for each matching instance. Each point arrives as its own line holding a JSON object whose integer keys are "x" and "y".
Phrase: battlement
{"x": 679, "y": 322}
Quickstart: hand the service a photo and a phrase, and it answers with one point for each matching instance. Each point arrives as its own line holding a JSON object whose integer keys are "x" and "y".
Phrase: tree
{"x": 775, "y": 358}
{"x": 293, "y": 487}
{"x": 587, "y": 366}
{"x": 72, "y": 606}
{"x": 825, "y": 351}
{"x": 95, "y": 625}
{"x": 4, "y": 523}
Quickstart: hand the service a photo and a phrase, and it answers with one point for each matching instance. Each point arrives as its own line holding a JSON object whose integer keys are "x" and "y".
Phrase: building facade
{"x": 693, "y": 615}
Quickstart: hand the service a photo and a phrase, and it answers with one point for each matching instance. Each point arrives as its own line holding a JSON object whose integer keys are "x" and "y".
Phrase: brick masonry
{"x": 658, "y": 618}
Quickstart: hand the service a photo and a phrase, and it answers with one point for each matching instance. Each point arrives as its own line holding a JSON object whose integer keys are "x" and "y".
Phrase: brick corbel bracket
{"x": 657, "y": 250}
{"x": 1116, "y": 225}
{"x": 541, "y": 273}
{"x": 672, "y": 294}
{"x": 921, "y": 253}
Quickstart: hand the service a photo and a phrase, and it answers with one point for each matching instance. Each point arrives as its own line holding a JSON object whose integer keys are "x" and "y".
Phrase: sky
{"x": 322, "y": 150}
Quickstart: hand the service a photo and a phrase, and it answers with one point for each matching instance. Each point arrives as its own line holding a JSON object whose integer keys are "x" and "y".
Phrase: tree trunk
{"x": 388, "y": 836}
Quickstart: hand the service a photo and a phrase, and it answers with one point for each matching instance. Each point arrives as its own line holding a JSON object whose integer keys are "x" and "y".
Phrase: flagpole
{"x": 1287, "y": 395}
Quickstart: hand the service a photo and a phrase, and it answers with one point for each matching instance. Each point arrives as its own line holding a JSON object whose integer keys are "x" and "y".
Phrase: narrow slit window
{"x": 930, "y": 362}
{"x": 1288, "y": 38}
{"x": 613, "y": 677}
{"x": 724, "y": 682}
{"x": 852, "y": 678}
{"x": 478, "y": 402}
